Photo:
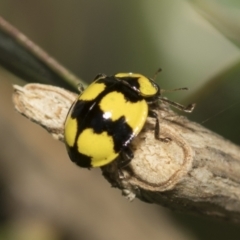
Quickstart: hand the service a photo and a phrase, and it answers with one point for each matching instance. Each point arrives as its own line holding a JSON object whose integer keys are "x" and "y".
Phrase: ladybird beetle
{"x": 108, "y": 114}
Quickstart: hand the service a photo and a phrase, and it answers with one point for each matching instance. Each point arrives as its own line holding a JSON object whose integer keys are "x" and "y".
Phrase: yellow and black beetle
{"x": 108, "y": 114}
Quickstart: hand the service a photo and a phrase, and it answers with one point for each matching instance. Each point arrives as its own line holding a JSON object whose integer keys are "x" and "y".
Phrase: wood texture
{"x": 196, "y": 172}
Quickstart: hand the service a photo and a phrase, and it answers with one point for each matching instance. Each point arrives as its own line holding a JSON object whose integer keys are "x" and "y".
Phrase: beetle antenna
{"x": 156, "y": 74}
{"x": 173, "y": 90}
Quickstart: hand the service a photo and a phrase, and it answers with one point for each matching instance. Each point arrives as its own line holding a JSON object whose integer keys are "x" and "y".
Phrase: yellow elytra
{"x": 108, "y": 114}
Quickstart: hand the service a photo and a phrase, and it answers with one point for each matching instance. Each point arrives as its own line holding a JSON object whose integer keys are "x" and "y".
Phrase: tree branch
{"x": 26, "y": 59}
{"x": 196, "y": 172}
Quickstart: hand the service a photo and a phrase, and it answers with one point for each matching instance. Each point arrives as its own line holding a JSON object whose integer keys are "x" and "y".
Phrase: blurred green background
{"x": 196, "y": 43}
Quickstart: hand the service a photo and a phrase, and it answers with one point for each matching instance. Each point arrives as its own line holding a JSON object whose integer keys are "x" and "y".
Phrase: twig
{"x": 196, "y": 172}
{"x": 26, "y": 59}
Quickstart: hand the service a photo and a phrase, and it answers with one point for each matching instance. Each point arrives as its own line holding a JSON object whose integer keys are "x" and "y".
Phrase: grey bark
{"x": 197, "y": 172}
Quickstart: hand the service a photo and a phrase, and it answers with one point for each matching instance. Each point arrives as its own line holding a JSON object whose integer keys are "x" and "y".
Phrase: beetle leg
{"x": 125, "y": 157}
{"x": 100, "y": 75}
{"x": 189, "y": 108}
{"x": 153, "y": 114}
{"x": 80, "y": 87}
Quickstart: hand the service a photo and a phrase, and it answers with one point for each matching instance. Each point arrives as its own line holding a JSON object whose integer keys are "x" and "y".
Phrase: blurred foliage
{"x": 218, "y": 104}
{"x": 196, "y": 43}
{"x": 21, "y": 62}
{"x": 224, "y": 15}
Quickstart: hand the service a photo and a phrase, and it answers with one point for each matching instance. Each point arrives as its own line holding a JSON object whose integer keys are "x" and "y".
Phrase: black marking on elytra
{"x": 108, "y": 81}
{"x": 80, "y": 159}
{"x": 81, "y": 108}
{"x": 121, "y": 133}
{"x": 119, "y": 129}
{"x": 114, "y": 85}
{"x": 134, "y": 83}
{"x": 89, "y": 115}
